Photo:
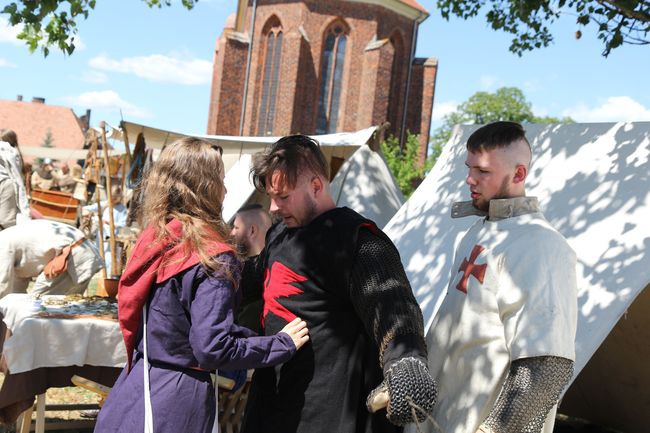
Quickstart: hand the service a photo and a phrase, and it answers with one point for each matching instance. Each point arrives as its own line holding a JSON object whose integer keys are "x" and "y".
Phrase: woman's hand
{"x": 297, "y": 330}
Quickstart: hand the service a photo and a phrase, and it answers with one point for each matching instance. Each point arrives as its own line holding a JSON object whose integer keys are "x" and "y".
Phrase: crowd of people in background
{"x": 29, "y": 243}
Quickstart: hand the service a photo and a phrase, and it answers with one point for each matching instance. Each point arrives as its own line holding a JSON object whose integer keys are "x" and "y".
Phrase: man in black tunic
{"x": 343, "y": 276}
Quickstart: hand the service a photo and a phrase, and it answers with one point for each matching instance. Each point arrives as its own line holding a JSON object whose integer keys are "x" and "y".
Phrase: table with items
{"x": 46, "y": 340}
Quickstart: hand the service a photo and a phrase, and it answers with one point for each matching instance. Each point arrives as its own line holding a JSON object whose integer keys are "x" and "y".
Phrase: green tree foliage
{"x": 617, "y": 21}
{"x": 507, "y": 103}
{"x": 53, "y": 23}
{"x": 48, "y": 140}
{"x": 404, "y": 163}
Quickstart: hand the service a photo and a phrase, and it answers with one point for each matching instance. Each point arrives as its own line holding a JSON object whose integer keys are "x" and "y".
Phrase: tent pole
{"x": 100, "y": 222}
{"x": 109, "y": 196}
{"x": 127, "y": 157}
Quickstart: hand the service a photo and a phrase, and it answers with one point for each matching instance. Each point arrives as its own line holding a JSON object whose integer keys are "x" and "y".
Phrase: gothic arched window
{"x": 273, "y": 50}
{"x": 331, "y": 79}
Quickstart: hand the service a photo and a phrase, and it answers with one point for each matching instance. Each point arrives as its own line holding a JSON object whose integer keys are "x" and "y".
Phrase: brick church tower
{"x": 321, "y": 66}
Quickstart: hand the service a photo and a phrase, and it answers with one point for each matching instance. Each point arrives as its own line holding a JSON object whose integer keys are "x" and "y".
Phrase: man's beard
{"x": 242, "y": 248}
{"x": 310, "y": 211}
{"x": 504, "y": 192}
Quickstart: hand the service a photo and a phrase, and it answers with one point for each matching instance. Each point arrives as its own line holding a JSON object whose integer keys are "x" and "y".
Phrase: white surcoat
{"x": 512, "y": 294}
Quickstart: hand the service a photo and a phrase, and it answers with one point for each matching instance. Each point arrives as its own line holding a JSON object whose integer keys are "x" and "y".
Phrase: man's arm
{"x": 537, "y": 301}
{"x": 530, "y": 391}
{"x": 383, "y": 299}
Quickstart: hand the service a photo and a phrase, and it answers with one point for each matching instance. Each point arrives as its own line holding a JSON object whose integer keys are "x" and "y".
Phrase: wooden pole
{"x": 100, "y": 221}
{"x": 109, "y": 196}
{"x": 127, "y": 157}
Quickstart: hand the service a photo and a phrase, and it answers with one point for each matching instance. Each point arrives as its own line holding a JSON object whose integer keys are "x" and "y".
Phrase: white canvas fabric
{"x": 239, "y": 187}
{"x": 365, "y": 184}
{"x": 341, "y": 145}
{"x": 512, "y": 295}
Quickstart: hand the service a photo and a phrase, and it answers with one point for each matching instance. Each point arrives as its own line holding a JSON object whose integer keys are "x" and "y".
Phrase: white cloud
{"x": 9, "y": 33}
{"x": 108, "y": 99}
{"x": 177, "y": 69}
{"x": 613, "y": 109}
{"x": 441, "y": 109}
{"x": 95, "y": 77}
{"x": 4, "y": 63}
{"x": 488, "y": 82}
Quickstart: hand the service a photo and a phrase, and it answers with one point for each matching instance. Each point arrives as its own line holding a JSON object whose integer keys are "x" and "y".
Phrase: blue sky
{"x": 155, "y": 66}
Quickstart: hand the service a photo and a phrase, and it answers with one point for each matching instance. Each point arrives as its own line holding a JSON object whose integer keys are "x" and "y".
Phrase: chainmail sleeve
{"x": 530, "y": 391}
{"x": 382, "y": 297}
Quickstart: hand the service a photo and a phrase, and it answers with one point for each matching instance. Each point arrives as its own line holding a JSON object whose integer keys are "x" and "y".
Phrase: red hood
{"x": 143, "y": 270}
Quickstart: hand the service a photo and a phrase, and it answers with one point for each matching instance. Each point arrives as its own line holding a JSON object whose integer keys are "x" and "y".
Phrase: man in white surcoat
{"x": 26, "y": 248}
{"x": 502, "y": 345}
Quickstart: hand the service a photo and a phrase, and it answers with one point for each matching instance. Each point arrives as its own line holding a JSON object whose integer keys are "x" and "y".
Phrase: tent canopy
{"x": 340, "y": 145}
{"x": 364, "y": 183}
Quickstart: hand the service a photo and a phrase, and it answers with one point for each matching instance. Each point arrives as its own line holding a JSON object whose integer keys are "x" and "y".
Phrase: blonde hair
{"x": 186, "y": 183}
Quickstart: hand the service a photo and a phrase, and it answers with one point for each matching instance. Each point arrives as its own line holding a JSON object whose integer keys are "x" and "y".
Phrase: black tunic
{"x": 323, "y": 388}
{"x": 249, "y": 313}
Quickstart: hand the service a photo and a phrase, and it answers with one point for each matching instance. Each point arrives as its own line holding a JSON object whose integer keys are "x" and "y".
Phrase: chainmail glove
{"x": 411, "y": 391}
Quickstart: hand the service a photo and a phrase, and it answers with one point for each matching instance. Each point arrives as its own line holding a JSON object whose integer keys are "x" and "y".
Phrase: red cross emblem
{"x": 471, "y": 268}
{"x": 279, "y": 283}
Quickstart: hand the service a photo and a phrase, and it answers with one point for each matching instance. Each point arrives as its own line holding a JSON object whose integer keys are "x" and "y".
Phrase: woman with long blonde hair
{"x": 176, "y": 300}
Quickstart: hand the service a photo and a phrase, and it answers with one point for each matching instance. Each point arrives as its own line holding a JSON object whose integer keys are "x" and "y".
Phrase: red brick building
{"x": 317, "y": 67}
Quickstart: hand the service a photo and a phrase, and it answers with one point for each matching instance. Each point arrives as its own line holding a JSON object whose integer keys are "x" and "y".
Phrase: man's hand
{"x": 484, "y": 429}
{"x": 411, "y": 392}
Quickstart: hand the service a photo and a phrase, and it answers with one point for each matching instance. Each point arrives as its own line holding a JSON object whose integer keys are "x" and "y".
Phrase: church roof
{"x": 409, "y": 8}
{"x": 414, "y": 5}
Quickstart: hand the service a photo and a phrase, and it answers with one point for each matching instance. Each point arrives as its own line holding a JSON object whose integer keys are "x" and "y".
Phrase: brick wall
{"x": 369, "y": 75}
{"x": 421, "y": 93}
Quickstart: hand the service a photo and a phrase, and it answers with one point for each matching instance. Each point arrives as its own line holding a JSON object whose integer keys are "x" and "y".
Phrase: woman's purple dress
{"x": 190, "y": 324}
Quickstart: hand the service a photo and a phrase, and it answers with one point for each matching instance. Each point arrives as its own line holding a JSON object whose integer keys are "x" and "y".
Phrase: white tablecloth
{"x": 48, "y": 342}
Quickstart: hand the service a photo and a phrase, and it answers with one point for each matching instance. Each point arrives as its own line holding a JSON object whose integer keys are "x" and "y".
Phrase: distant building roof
{"x": 32, "y": 121}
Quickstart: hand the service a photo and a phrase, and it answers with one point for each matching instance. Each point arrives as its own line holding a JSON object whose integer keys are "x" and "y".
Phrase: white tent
{"x": 238, "y": 152}
{"x": 593, "y": 182}
{"x": 340, "y": 145}
{"x": 239, "y": 187}
{"x": 364, "y": 183}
